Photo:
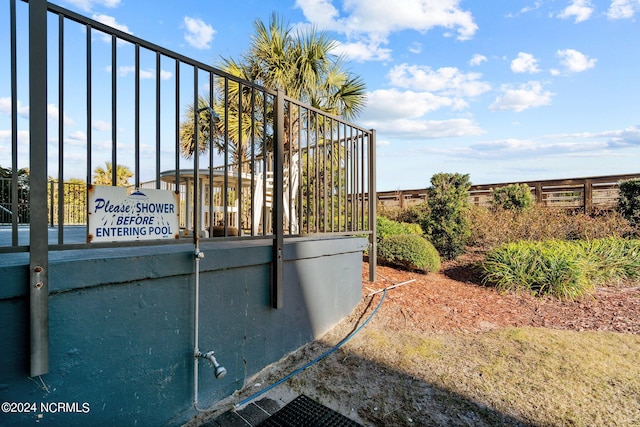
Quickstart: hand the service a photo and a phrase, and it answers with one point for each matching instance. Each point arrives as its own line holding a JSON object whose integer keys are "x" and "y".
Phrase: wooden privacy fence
{"x": 590, "y": 194}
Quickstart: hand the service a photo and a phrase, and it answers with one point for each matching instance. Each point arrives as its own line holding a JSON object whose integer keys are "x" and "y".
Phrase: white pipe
{"x": 196, "y": 322}
{"x": 391, "y": 287}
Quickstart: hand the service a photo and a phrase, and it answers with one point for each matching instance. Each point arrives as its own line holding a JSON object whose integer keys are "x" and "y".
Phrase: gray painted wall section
{"x": 121, "y": 324}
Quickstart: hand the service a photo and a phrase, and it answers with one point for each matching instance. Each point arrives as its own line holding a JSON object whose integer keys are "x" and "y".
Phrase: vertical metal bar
{"x": 89, "y": 105}
{"x": 196, "y": 154}
{"x": 240, "y": 155}
{"x": 339, "y": 172}
{"x": 252, "y": 138}
{"x": 51, "y": 201}
{"x": 278, "y": 204}
{"x": 299, "y": 169}
{"x": 39, "y": 250}
{"x": 15, "y": 211}
{"x": 114, "y": 118}
{"x": 289, "y": 155}
{"x": 325, "y": 158}
{"x": 331, "y": 167}
{"x": 352, "y": 187}
{"x": 60, "y": 130}
{"x": 308, "y": 188}
{"x": 137, "y": 117}
{"x": 211, "y": 128}
{"x": 316, "y": 184}
{"x": 158, "y": 147}
{"x": 362, "y": 182}
{"x": 264, "y": 162}
{"x": 373, "y": 199}
{"x": 177, "y": 129}
{"x": 225, "y": 179}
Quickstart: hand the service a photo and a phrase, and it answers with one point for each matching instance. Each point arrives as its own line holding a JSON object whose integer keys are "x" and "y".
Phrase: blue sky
{"x": 501, "y": 90}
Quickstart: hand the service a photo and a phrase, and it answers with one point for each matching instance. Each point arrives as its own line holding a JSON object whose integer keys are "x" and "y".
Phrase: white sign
{"x": 117, "y": 215}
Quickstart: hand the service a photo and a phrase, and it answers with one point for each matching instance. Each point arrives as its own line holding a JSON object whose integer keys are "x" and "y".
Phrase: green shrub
{"x": 629, "y": 201}
{"x": 386, "y": 227}
{"x": 447, "y": 226}
{"x": 512, "y": 196}
{"x": 562, "y": 268}
{"x": 410, "y": 252}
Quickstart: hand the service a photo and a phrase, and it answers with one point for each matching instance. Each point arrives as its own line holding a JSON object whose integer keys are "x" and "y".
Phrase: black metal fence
{"x": 246, "y": 160}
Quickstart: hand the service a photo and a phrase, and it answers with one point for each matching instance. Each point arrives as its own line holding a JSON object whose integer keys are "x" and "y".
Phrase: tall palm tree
{"x": 301, "y": 64}
{"x": 102, "y": 175}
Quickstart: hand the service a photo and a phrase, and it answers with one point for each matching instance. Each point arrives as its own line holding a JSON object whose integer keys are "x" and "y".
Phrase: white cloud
{"x": 623, "y": 9}
{"x": 23, "y": 138}
{"x": 101, "y": 125}
{"x": 376, "y": 17}
{"x": 77, "y": 138}
{"x": 427, "y": 129}
{"x": 575, "y": 61}
{"x": 199, "y": 34}
{"x": 445, "y": 80}
{"x": 535, "y": 6}
{"x": 415, "y": 48}
{"x": 88, "y": 5}
{"x": 477, "y": 59}
{"x": 581, "y": 10}
{"x": 525, "y": 63}
{"x": 360, "y": 51}
{"x": 394, "y": 104}
{"x": 111, "y": 22}
{"x": 368, "y": 23}
{"x": 144, "y": 74}
{"x": 5, "y": 108}
{"x": 54, "y": 113}
{"x": 525, "y": 96}
{"x": 586, "y": 144}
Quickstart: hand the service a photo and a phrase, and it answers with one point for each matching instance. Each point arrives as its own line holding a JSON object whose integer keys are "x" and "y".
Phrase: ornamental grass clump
{"x": 551, "y": 267}
{"x": 566, "y": 269}
{"x": 410, "y": 252}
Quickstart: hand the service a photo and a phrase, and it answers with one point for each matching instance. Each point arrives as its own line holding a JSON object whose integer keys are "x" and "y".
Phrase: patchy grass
{"x": 535, "y": 376}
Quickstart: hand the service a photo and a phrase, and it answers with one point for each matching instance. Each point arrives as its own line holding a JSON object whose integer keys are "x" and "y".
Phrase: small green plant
{"x": 410, "y": 252}
{"x": 629, "y": 202}
{"x": 513, "y": 196}
{"x": 447, "y": 226}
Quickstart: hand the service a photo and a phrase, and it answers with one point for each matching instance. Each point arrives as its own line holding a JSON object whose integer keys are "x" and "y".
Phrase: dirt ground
{"x": 451, "y": 301}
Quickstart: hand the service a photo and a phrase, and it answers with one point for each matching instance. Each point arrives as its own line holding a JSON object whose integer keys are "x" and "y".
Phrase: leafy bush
{"x": 512, "y": 196}
{"x": 492, "y": 227}
{"x": 562, "y": 268}
{"x": 386, "y": 227}
{"x": 447, "y": 226}
{"x": 408, "y": 251}
{"x": 629, "y": 201}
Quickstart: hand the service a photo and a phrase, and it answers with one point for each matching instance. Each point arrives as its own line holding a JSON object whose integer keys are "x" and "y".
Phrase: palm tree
{"x": 300, "y": 64}
{"x": 102, "y": 175}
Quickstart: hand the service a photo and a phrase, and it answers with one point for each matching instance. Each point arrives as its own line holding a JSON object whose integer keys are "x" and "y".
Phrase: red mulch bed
{"x": 455, "y": 300}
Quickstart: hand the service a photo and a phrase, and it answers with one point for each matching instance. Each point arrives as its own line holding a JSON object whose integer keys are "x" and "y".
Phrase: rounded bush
{"x": 410, "y": 252}
{"x": 386, "y": 227}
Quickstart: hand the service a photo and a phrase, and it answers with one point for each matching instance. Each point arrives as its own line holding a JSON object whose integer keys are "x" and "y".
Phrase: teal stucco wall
{"x": 121, "y": 325}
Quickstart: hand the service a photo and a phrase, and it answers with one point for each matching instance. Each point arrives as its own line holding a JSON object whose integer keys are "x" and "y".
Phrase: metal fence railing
{"x": 244, "y": 159}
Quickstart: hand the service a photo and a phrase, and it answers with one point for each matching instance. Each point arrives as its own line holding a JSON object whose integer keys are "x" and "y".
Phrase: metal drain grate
{"x": 303, "y": 411}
